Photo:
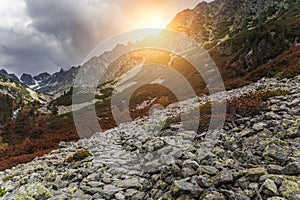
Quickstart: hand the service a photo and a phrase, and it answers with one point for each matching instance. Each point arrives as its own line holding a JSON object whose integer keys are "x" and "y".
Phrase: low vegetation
{"x": 78, "y": 156}
{"x": 2, "y": 192}
{"x": 6, "y": 108}
{"x": 7, "y": 178}
{"x": 63, "y": 100}
{"x": 32, "y": 134}
{"x": 247, "y": 106}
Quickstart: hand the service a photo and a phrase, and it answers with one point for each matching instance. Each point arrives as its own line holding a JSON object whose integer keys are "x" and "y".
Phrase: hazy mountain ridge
{"x": 58, "y": 82}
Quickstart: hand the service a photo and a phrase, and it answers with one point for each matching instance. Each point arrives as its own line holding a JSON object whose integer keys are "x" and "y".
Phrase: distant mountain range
{"x": 46, "y": 83}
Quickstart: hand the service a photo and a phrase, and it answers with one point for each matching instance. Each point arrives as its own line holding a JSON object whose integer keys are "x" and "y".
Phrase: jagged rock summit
{"x": 27, "y": 80}
{"x": 11, "y": 76}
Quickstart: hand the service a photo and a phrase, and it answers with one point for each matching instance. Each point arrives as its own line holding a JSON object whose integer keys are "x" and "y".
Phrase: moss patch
{"x": 7, "y": 178}
{"x": 2, "y": 192}
{"x": 78, "y": 156}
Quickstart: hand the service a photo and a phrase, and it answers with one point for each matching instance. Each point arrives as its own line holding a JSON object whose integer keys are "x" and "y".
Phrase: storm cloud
{"x": 38, "y": 36}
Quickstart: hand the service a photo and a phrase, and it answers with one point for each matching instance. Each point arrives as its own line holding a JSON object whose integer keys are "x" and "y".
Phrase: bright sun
{"x": 151, "y": 19}
{"x": 155, "y": 22}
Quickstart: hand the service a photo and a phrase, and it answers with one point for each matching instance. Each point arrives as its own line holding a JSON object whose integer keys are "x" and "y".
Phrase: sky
{"x": 38, "y": 36}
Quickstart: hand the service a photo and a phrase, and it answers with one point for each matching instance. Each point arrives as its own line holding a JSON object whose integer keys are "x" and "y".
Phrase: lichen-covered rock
{"x": 212, "y": 195}
{"x": 278, "y": 150}
{"x": 259, "y": 126}
{"x": 294, "y": 131}
{"x": 207, "y": 170}
{"x": 276, "y": 198}
{"x": 292, "y": 169}
{"x": 35, "y": 191}
{"x": 252, "y": 174}
{"x": 223, "y": 177}
{"x": 109, "y": 191}
{"x": 269, "y": 188}
{"x": 130, "y": 183}
{"x": 274, "y": 169}
{"x": 182, "y": 186}
{"x": 290, "y": 190}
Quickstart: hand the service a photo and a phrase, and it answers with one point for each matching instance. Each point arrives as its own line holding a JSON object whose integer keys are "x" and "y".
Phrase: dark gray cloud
{"x": 47, "y": 35}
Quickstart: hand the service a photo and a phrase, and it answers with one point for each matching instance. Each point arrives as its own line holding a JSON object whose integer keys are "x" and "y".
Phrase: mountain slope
{"x": 11, "y": 76}
{"x": 27, "y": 126}
{"x": 58, "y": 82}
{"x": 14, "y": 95}
{"x": 242, "y": 35}
{"x": 19, "y": 91}
{"x": 261, "y": 41}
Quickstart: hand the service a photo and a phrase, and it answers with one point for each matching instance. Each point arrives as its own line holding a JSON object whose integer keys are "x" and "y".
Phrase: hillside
{"x": 14, "y": 95}
{"x": 258, "y": 40}
{"x": 242, "y": 36}
{"x": 246, "y": 45}
{"x": 27, "y": 127}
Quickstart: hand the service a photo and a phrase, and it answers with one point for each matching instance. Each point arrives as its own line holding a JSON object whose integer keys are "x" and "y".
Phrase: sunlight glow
{"x": 155, "y": 22}
{"x": 151, "y": 19}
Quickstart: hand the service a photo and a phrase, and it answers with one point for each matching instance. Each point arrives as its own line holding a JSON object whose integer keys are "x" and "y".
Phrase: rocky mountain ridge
{"x": 11, "y": 76}
{"x": 45, "y": 83}
{"x": 241, "y": 36}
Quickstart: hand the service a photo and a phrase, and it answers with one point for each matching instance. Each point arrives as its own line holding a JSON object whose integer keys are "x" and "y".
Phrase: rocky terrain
{"x": 251, "y": 158}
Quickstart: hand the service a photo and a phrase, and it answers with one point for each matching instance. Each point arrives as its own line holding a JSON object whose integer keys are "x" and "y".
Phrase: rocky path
{"x": 252, "y": 158}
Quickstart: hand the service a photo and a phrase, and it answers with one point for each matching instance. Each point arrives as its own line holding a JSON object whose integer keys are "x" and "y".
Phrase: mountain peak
{"x": 11, "y": 76}
{"x": 42, "y": 76}
{"x": 61, "y": 70}
{"x": 27, "y": 79}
